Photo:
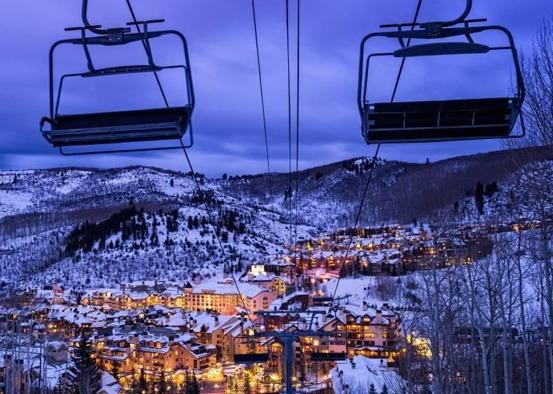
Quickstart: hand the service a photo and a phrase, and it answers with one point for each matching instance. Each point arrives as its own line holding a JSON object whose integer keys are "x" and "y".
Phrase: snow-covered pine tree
{"x": 85, "y": 374}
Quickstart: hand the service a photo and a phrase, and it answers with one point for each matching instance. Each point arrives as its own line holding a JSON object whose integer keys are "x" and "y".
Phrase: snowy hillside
{"x": 399, "y": 192}
{"x": 93, "y": 228}
{"x": 78, "y": 227}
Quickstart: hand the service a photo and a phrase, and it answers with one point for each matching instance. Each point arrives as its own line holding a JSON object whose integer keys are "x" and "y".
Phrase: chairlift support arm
{"x": 96, "y": 29}
{"x": 459, "y": 19}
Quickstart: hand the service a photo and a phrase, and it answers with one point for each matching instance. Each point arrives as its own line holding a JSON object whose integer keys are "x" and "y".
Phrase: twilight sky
{"x": 228, "y": 123}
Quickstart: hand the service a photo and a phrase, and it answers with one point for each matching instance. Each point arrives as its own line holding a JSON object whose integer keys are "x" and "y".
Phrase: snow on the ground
{"x": 357, "y": 375}
{"x": 13, "y": 202}
{"x": 372, "y": 290}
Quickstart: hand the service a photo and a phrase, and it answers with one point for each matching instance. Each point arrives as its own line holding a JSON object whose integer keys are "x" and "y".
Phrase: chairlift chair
{"x": 439, "y": 120}
{"x": 118, "y": 127}
{"x": 252, "y": 355}
{"x": 326, "y": 355}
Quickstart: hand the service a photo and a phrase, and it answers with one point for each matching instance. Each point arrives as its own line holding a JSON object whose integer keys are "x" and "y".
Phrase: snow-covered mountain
{"x": 91, "y": 227}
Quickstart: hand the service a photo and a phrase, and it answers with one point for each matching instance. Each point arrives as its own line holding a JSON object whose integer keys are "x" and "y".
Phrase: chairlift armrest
{"x": 424, "y": 24}
{"x": 114, "y": 30}
{"x": 146, "y": 22}
{"x": 45, "y": 120}
{"x": 80, "y": 28}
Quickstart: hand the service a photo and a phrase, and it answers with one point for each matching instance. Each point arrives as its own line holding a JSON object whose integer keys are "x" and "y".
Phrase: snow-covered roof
{"x": 109, "y": 384}
{"x": 196, "y": 320}
{"x": 216, "y": 287}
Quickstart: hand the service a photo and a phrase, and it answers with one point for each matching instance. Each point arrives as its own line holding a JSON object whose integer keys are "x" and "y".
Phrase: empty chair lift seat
{"x": 118, "y": 127}
{"x": 428, "y": 121}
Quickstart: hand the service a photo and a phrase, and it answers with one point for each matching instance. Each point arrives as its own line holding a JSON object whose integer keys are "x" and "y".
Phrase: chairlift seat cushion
{"x": 251, "y": 358}
{"x": 331, "y": 356}
{"x": 427, "y": 121}
{"x": 119, "y": 127}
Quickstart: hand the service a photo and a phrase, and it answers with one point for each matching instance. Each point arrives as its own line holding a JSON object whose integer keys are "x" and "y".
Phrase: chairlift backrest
{"x": 256, "y": 352}
{"x": 442, "y": 48}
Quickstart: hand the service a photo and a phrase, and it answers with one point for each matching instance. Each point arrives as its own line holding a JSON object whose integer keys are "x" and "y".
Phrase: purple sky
{"x": 228, "y": 114}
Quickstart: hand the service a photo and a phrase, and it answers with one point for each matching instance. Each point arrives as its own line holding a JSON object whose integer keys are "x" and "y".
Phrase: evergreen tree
{"x": 232, "y": 387}
{"x": 191, "y": 385}
{"x": 194, "y": 385}
{"x": 85, "y": 374}
{"x": 142, "y": 384}
{"x": 479, "y": 198}
{"x": 63, "y": 386}
{"x": 247, "y": 384}
{"x": 102, "y": 243}
{"x": 185, "y": 388}
{"x": 384, "y": 389}
{"x": 154, "y": 240}
{"x": 163, "y": 387}
{"x": 372, "y": 389}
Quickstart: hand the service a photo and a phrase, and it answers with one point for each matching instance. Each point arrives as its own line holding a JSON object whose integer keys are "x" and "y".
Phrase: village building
{"x": 223, "y": 297}
{"x": 136, "y": 295}
{"x": 367, "y": 331}
{"x": 153, "y": 351}
{"x": 269, "y": 281}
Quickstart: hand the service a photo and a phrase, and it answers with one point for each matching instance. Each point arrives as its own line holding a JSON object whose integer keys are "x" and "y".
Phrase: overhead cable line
{"x": 298, "y": 69}
{"x": 202, "y": 195}
{"x": 261, "y": 91}
{"x": 262, "y": 96}
{"x": 200, "y": 191}
{"x": 374, "y": 159}
{"x": 289, "y": 193}
{"x": 402, "y": 65}
{"x": 139, "y": 30}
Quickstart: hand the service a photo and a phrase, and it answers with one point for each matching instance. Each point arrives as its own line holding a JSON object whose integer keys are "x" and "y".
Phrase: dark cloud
{"x": 228, "y": 118}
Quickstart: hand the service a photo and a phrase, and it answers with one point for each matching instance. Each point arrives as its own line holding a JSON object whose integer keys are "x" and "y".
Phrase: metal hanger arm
{"x": 461, "y": 18}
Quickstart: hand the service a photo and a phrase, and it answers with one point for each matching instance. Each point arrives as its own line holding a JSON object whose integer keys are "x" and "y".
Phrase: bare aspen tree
{"x": 537, "y": 182}
{"x": 504, "y": 269}
{"x": 477, "y": 322}
{"x": 521, "y": 274}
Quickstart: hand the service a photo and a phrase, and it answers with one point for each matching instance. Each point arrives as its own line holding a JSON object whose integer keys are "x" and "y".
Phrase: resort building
{"x": 223, "y": 297}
